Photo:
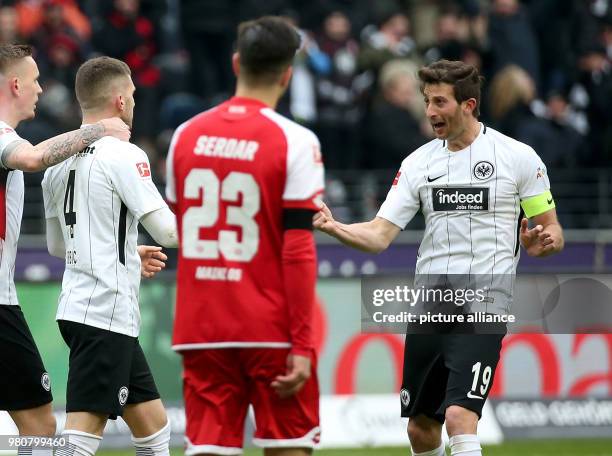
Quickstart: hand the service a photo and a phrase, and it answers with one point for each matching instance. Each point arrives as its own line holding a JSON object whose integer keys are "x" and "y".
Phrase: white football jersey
{"x": 11, "y": 210}
{"x": 471, "y": 200}
{"x": 99, "y": 195}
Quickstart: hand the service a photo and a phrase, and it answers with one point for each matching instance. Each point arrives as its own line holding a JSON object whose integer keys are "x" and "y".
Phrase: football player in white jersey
{"x": 477, "y": 188}
{"x": 25, "y": 388}
{"x": 93, "y": 205}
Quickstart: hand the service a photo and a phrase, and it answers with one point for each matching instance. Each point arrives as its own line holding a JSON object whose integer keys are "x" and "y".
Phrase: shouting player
{"x": 448, "y": 377}
{"x": 245, "y": 183}
{"x": 93, "y": 204}
{"x": 25, "y": 388}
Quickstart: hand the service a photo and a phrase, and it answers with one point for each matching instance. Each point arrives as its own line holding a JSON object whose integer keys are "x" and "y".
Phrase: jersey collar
{"x": 247, "y": 102}
{"x": 481, "y": 132}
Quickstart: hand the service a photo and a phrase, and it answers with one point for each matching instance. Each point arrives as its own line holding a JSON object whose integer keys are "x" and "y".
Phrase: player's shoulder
{"x": 292, "y": 130}
{"x": 110, "y": 149}
{"x": 515, "y": 148}
{"x": 421, "y": 155}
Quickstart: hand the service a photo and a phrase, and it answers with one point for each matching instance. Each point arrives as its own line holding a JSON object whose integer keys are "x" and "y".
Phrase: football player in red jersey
{"x": 245, "y": 183}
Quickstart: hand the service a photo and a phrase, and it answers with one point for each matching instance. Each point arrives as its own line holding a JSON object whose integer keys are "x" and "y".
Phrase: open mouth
{"x": 437, "y": 126}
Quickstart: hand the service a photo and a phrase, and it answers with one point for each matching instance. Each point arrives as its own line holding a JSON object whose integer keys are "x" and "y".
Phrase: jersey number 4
{"x": 234, "y": 185}
{"x": 69, "y": 213}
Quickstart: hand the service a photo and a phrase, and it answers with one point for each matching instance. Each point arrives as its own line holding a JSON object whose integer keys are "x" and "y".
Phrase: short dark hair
{"x": 465, "y": 79}
{"x": 266, "y": 47}
{"x": 93, "y": 79}
{"x": 10, "y": 53}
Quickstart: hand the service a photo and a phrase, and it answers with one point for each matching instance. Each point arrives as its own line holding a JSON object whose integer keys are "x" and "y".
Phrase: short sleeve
{"x": 305, "y": 174}
{"x": 50, "y": 211}
{"x": 170, "y": 177}
{"x": 533, "y": 184}
{"x": 130, "y": 173}
{"x": 402, "y": 202}
{"x": 532, "y": 178}
{"x": 8, "y": 140}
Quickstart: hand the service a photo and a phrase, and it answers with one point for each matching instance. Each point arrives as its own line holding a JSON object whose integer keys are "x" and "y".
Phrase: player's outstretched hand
{"x": 151, "y": 260}
{"x": 116, "y": 127}
{"x": 298, "y": 371}
{"x": 324, "y": 221}
{"x": 537, "y": 241}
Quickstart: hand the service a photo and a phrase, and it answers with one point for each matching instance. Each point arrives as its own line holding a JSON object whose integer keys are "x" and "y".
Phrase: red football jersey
{"x": 230, "y": 173}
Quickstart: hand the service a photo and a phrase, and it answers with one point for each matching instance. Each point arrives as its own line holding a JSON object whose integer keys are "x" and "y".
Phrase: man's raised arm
{"x": 26, "y": 157}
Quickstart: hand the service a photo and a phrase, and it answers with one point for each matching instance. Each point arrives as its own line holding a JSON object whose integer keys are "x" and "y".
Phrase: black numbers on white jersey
{"x": 69, "y": 213}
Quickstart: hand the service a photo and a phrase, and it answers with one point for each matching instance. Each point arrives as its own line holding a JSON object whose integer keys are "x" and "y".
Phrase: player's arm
{"x": 545, "y": 238}
{"x": 538, "y": 204}
{"x": 161, "y": 225}
{"x": 26, "y": 157}
{"x": 55, "y": 238}
{"x": 373, "y": 236}
{"x": 299, "y": 263}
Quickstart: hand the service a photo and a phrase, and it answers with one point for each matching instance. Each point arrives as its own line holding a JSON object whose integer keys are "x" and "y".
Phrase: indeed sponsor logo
{"x": 460, "y": 198}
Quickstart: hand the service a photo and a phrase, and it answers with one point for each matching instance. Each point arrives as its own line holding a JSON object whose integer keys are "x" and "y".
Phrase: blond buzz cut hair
{"x": 11, "y": 53}
{"x": 94, "y": 79}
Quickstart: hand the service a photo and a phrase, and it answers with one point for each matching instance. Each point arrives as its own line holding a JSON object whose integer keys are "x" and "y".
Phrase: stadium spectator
{"x": 452, "y": 34}
{"x": 512, "y": 98}
{"x": 393, "y": 126}
{"x": 511, "y": 39}
{"x": 439, "y": 366}
{"x": 209, "y": 21}
{"x": 9, "y": 26}
{"x": 25, "y": 386}
{"x": 32, "y": 15}
{"x": 59, "y": 54}
{"x": 340, "y": 89}
{"x": 595, "y": 83}
{"x": 245, "y": 302}
{"x": 129, "y": 36}
{"x": 390, "y": 40}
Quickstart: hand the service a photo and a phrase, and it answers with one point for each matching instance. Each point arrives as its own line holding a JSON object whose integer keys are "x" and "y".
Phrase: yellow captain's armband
{"x": 538, "y": 204}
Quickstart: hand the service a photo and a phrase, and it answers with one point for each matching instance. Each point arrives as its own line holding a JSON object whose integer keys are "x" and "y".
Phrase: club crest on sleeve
{"x": 483, "y": 170}
{"x": 397, "y": 176}
{"x": 143, "y": 169}
{"x": 539, "y": 173}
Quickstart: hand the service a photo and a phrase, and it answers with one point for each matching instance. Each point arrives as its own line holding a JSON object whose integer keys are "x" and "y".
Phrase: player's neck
{"x": 8, "y": 115}
{"x": 91, "y": 117}
{"x": 267, "y": 96}
{"x": 467, "y": 137}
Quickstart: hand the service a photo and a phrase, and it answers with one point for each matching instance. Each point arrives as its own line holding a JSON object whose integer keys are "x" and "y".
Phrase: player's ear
{"x": 469, "y": 105}
{"x": 236, "y": 64}
{"x": 286, "y": 76}
{"x": 14, "y": 85}
{"x": 119, "y": 103}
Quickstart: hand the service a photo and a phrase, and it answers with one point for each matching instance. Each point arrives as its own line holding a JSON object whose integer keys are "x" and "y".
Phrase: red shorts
{"x": 219, "y": 385}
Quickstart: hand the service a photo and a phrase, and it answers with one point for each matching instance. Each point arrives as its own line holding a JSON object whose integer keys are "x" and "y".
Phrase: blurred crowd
{"x": 547, "y": 65}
